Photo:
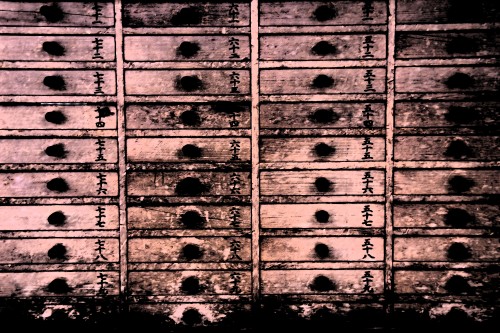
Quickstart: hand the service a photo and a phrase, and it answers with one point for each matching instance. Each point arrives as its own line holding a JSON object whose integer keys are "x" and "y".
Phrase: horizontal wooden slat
{"x": 472, "y": 311}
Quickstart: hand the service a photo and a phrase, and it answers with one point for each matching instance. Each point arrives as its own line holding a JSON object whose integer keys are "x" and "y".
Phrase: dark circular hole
{"x": 187, "y": 16}
{"x": 462, "y": 44}
{"x": 52, "y": 13}
{"x": 53, "y": 48}
{"x": 458, "y": 252}
{"x": 58, "y": 286}
{"x": 458, "y": 149}
{"x": 55, "y": 117}
{"x": 192, "y": 220}
{"x": 324, "y": 48}
{"x": 192, "y": 317}
{"x": 192, "y": 252}
{"x": 57, "y": 251}
{"x": 56, "y": 150}
{"x": 188, "y": 49}
{"x": 323, "y": 150}
{"x": 458, "y": 218}
{"x": 57, "y": 185}
{"x": 190, "y": 83}
{"x": 322, "y": 216}
{"x": 461, "y": 115}
{"x": 460, "y": 184}
{"x": 57, "y": 218}
{"x": 325, "y": 13}
{"x": 459, "y": 81}
{"x": 191, "y": 151}
{"x": 191, "y": 285}
{"x": 322, "y": 184}
{"x": 190, "y": 118}
{"x": 54, "y": 82}
{"x": 322, "y": 81}
{"x": 322, "y": 283}
{"x": 190, "y": 186}
{"x": 457, "y": 285}
{"x": 322, "y": 250}
{"x": 324, "y": 116}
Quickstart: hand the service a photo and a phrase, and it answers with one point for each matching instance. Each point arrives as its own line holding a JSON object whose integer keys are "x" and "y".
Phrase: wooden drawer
{"x": 186, "y": 14}
{"x": 322, "y": 47}
{"x": 446, "y": 79}
{"x": 187, "y": 82}
{"x": 322, "y": 216}
{"x": 57, "y": 48}
{"x": 187, "y": 48}
{"x": 188, "y": 150}
{"x": 188, "y": 183}
{"x": 190, "y": 283}
{"x": 456, "y": 312}
{"x": 446, "y": 181}
{"x": 445, "y": 249}
{"x": 322, "y": 81}
{"x": 322, "y": 249}
{"x": 445, "y": 282}
{"x": 445, "y": 215}
{"x": 324, "y": 149}
{"x": 425, "y": 45}
{"x": 58, "y": 184}
{"x": 288, "y": 13}
{"x": 58, "y": 250}
{"x": 63, "y": 150}
{"x": 322, "y": 115}
{"x": 57, "y": 82}
{"x": 323, "y": 182}
{"x": 70, "y": 14}
{"x": 188, "y": 116}
{"x": 189, "y": 249}
{"x": 443, "y": 148}
{"x": 446, "y": 11}
{"x": 189, "y": 217}
{"x": 447, "y": 114}
{"x": 340, "y": 281}
{"x": 59, "y": 217}
{"x": 59, "y": 284}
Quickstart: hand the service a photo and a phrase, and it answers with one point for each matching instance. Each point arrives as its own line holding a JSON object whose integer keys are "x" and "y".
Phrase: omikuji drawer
{"x": 58, "y": 250}
{"x": 185, "y": 14}
{"x": 426, "y": 45}
{"x": 322, "y": 216}
{"x": 57, "y": 82}
{"x": 57, "y": 48}
{"x": 324, "y": 149}
{"x": 339, "y": 281}
{"x": 190, "y": 283}
{"x": 59, "y": 217}
{"x": 58, "y": 184}
{"x": 447, "y": 181}
{"x": 188, "y": 183}
{"x": 446, "y": 79}
{"x": 322, "y": 81}
{"x": 445, "y": 215}
{"x": 322, "y": 47}
{"x": 188, "y": 150}
{"x": 323, "y": 182}
{"x": 446, "y": 249}
{"x": 64, "y": 150}
{"x": 187, "y": 82}
{"x": 291, "y": 13}
{"x": 188, "y": 116}
{"x": 74, "y": 14}
{"x": 322, "y": 249}
{"x": 189, "y": 249}
{"x": 322, "y": 115}
{"x": 439, "y": 148}
{"x": 59, "y": 284}
{"x": 187, "y": 48}
{"x": 189, "y": 217}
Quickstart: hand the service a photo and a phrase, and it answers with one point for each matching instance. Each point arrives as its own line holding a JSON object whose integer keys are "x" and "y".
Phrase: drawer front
{"x": 188, "y": 183}
{"x": 59, "y": 217}
{"x": 322, "y": 249}
{"x": 189, "y": 249}
{"x": 290, "y": 13}
{"x": 190, "y": 283}
{"x": 98, "y": 150}
{"x": 418, "y": 45}
{"x": 444, "y": 148}
{"x": 445, "y": 215}
{"x": 57, "y": 82}
{"x": 446, "y": 182}
{"x": 59, "y": 284}
{"x": 58, "y": 250}
{"x": 322, "y": 115}
{"x": 186, "y": 14}
{"x": 447, "y": 114}
{"x": 70, "y": 14}
{"x": 189, "y": 217}
{"x": 322, "y": 216}
{"x": 324, "y": 149}
{"x": 445, "y": 249}
{"x": 58, "y": 184}
{"x": 187, "y": 48}
{"x": 187, "y": 82}
{"x": 322, "y": 47}
{"x": 188, "y": 150}
{"x": 322, "y": 81}
{"x": 322, "y": 182}
{"x": 322, "y": 281}
{"x": 188, "y": 116}
{"x": 446, "y": 79}
{"x": 57, "y": 48}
